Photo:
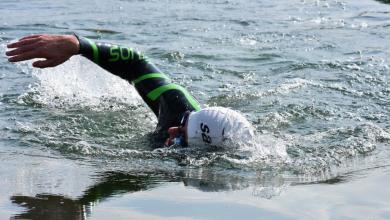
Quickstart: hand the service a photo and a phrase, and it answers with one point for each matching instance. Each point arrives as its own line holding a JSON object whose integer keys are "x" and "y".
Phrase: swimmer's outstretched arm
{"x": 56, "y": 49}
{"x": 53, "y": 50}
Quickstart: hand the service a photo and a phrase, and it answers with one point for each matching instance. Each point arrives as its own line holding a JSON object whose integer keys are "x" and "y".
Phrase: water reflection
{"x": 60, "y": 207}
{"x": 46, "y": 206}
{"x": 384, "y": 1}
{"x": 112, "y": 183}
{"x": 49, "y": 207}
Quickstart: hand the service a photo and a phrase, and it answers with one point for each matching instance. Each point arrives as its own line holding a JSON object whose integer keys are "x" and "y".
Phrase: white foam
{"x": 247, "y": 41}
{"x": 260, "y": 148}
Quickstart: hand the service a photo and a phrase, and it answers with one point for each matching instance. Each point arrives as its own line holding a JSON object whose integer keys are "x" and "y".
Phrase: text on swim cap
{"x": 205, "y": 130}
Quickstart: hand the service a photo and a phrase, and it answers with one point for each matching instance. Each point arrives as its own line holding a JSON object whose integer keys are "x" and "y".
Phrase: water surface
{"x": 311, "y": 76}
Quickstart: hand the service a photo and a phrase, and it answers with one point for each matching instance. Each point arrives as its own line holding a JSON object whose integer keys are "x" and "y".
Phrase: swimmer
{"x": 181, "y": 121}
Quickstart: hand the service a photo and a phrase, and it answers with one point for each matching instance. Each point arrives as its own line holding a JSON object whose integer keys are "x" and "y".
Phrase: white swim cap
{"x": 215, "y": 125}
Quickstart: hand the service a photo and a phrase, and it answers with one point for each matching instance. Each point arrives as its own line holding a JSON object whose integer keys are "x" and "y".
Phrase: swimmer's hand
{"x": 54, "y": 49}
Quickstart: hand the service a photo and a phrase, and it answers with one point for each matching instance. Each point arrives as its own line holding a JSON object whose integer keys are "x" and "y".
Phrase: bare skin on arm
{"x": 52, "y": 50}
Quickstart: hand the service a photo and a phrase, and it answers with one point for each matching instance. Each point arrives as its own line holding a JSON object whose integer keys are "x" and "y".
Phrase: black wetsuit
{"x": 167, "y": 100}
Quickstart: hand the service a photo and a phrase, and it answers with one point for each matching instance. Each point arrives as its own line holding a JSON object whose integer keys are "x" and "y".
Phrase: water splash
{"x": 77, "y": 82}
{"x": 322, "y": 151}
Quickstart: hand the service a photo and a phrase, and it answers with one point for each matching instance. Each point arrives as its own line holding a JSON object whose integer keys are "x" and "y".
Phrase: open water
{"x": 312, "y": 77}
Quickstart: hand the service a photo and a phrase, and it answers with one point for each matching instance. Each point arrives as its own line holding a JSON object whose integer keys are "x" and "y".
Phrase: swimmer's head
{"x": 211, "y": 126}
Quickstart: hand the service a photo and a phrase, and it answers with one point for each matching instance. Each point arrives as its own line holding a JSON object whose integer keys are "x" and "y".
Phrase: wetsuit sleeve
{"x": 122, "y": 61}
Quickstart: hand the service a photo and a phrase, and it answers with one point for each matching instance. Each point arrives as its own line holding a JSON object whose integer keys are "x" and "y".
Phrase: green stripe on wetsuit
{"x": 150, "y": 75}
{"x": 153, "y": 95}
{"x": 95, "y": 50}
{"x": 157, "y": 92}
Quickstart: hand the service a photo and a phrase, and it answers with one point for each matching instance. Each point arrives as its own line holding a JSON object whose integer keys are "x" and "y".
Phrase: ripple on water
{"x": 334, "y": 146}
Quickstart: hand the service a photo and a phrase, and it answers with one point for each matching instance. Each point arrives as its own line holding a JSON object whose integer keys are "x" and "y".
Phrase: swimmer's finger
{"x": 49, "y": 63}
{"x": 30, "y": 36}
{"x": 23, "y": 42}
{"x": 25, "y": 56}
{"x": 46, "y": 63}
{"x": 21, "y": 50}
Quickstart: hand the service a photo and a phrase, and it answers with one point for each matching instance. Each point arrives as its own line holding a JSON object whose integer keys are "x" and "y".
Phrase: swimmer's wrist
{"x": 83, "y": 44}
{"x": 74, "y": 44}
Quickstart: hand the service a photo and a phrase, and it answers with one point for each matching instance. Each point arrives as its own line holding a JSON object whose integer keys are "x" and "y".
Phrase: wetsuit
{"x": 168, "y": 101}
